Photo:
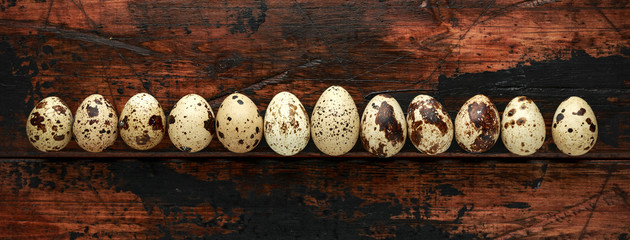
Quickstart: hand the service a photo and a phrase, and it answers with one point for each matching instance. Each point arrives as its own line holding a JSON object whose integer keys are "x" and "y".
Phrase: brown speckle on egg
{"x": 142, "y": 140}
{"x": 388, "y": 123}
{"x": 60, "y": 108}
{"x": 123, "y": 123}
{"x": 156, "y": 122}
{"x": 36, "y": 120}
{"x": 59, "y": 137}
{"x": 91, "y": 111}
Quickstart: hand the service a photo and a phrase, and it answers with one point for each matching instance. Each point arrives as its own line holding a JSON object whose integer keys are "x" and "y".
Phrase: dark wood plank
{"x": 314, "y": 198}
{"x": 449, "y": 49}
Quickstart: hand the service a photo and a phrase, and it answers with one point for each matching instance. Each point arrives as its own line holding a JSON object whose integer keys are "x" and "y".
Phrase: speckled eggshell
{"x": 287, "y": 129}
{"x": 430, "y": 128}
{"x": 335, "y": 122}
{"x": 239, "y": 125}
{"x": 477, "y": 125}
{"x": 95, "y": 124}
{"x": 142, "y": 122}
{"x": 574, "y": 128}
{"x": 49, "y": 125}
{"x": 523, "y": 126}
{"x": 191, "y": 123}
{"x": 383, "y": 126}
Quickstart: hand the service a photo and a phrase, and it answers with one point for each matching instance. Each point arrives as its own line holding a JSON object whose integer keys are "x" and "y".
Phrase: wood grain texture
{"x": 311, "y": 198}
{"x": 545, "y": 49}
{"x": 451, "y": 50}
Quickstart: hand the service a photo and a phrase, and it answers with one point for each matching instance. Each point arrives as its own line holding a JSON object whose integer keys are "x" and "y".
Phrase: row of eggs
{"x": 335, "y": 125}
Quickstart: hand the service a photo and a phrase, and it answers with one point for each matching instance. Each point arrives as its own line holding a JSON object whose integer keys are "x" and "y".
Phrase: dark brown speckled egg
{"x": 477, "y": 125}
{"x": 430, "y": 127}
{"x": 141, "y": 123}
{"x": 383, "y": 126}
{"x": 49, "y": 125}
{"x": 96, "y": 124}
{"x": 335, "y": 122}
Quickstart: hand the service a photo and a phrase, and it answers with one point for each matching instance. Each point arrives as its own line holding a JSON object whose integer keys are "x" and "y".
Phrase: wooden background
{"x": 450, "y": 49}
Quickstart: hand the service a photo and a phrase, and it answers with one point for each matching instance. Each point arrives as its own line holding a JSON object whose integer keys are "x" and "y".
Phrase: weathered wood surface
{"x": 449, "y": 49}
{"x": 310, "y": 198}
{"x": 545, "y": 49}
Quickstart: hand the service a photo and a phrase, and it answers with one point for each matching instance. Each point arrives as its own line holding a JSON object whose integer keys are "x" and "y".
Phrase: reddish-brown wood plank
{"x": 545, "y": 49}
{"x": 74, "y": 48}
{"x": 263, "y": 198}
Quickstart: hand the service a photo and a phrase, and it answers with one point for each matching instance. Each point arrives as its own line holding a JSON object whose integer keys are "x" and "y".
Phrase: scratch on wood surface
{"x": 540, "y": 221}
{"x": 87, "y": 18}
{"x": 426, "y": 43}
{"x": 590, "y": 215}
{"x": 107, "y": 80}
{"x": 321, "y": 36}
{"x": 50, "y": 5}
{"x": 267, "y": 81}
{"x": 133, "y": 70}
{"x": 429, "y": 42}
{"x": 521, "y": 4}
{"x": 621, "y": 193}
{"x": 76, "y": 35}
{"x": 450, "y": 52}
{"x": 610, "y": 23}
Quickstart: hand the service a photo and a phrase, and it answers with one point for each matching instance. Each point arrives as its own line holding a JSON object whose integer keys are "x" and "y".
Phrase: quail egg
{"x": 142, "y": 122}
{"x": 191, "y": 123}
{"x": 287, "y": 129}
{"x": 49, "y": 125}
{"x": 430, "y": 127}
{"x": 383, "y": 126}
{"x": 335, "y": 122}
{"x": 574, "y": 128}
{"x": 95, "y": 125}
{"x": 238, "y": 123}
{"x": 477, "y": 125}
{"x": 523, "y": 126}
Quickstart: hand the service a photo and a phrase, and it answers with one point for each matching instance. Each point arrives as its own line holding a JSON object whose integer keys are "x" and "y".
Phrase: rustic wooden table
{"x": 545, "y": 49}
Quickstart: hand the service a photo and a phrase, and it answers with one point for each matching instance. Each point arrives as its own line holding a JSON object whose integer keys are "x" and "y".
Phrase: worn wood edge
{"x": 266, "y": 155}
